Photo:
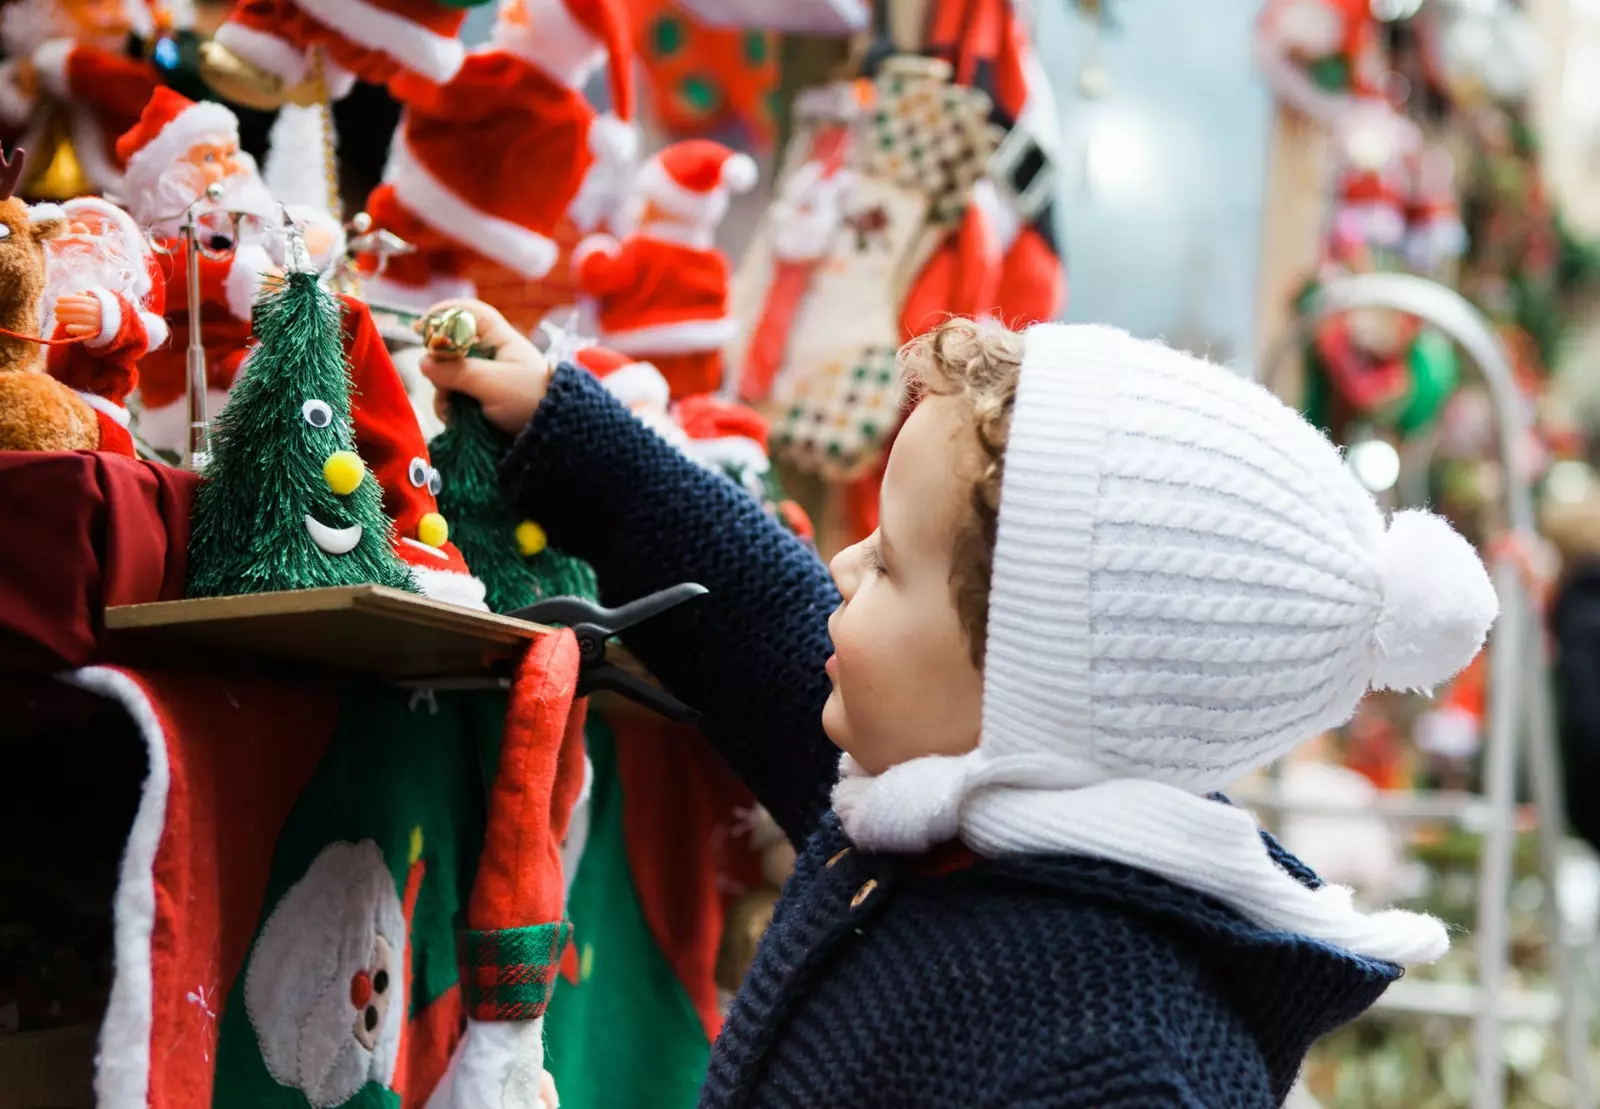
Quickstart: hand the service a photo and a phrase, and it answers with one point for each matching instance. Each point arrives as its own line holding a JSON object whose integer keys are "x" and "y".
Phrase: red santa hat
{"x": 391, "y": 443}
{"x": 724, "y": 433}
{"x": 693, "y": 179}
{"x": 568, "y": 39}
{"x": 366, "y": 36}
{"x": 636, "y": 384}
{"x": 168, "y": 128}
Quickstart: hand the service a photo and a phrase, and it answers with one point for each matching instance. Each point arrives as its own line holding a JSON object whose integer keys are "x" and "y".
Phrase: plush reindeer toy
{"x": 37, "y": 412}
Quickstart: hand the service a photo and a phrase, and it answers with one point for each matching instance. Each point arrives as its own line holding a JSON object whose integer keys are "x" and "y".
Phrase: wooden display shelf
{"x": 362, "y": 629}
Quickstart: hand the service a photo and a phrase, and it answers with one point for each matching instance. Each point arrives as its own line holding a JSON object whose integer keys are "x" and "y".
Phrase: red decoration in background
{"x": 704, "y": 80}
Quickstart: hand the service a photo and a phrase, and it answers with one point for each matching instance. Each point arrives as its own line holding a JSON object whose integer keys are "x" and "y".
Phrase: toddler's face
{"x": 904, "y": 684}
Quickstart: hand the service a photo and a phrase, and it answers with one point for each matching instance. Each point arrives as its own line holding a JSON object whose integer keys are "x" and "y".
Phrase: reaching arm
{"x": 750, "y": 655}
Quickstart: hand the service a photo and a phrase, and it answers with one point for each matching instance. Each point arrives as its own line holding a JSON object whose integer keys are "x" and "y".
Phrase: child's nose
{"x": 846, "y": 570}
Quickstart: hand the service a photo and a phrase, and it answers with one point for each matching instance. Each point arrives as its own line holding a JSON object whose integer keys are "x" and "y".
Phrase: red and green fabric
{"x": 707, "y": 80}
{"x": 637, "y": 1007}
{"x": 308, "y": 865}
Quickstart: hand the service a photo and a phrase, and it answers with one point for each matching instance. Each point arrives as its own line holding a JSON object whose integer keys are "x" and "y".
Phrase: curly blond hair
{"x": 980, "y": 363}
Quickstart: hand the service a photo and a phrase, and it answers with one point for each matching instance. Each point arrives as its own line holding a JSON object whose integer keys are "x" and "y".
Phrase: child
{"x": 1109, "y": 579}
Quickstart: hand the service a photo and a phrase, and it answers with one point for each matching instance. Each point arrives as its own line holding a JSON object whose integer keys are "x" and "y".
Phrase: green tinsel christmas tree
{"x": 506, "y": 552}
{"x": 286, "y": 503}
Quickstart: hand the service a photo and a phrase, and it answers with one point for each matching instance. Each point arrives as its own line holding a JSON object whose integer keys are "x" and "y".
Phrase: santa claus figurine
{"x": 71, "y": 56}
{"x": 263, "y": 55}
{"x": 1320, "y": 54}
{"x": 102, "y": 310}
{"x": 485, "y": 166}
{"x": 661, "y": 292}
{"x": 176, "y": 153}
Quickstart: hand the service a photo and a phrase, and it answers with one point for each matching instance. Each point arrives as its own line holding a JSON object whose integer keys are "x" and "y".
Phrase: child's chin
{"x": 833, "y": 721}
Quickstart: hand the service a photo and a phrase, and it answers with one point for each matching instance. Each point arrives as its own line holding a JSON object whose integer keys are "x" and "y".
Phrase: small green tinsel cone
{"x": 482, "y": 523}
{"x": 265, "y": 503}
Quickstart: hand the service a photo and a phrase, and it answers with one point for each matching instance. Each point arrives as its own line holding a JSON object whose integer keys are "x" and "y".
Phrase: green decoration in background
{"x": 483, "y": 524}
{"x": 1435, "y": 374}
{"x": 268, "y": 518}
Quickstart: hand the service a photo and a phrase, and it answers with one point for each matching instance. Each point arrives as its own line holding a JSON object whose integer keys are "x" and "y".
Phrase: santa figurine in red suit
{"x": 485, "y": 166}
{"x": 661, "y": 292}
{"x": 1321, "y": 55}
{"x": 102, "y": 307}
{"x": 390, "y": 441}
{"x": 175, "y": 153}
{"x": 262, "y": 55}
{"x": 70, "y": 56}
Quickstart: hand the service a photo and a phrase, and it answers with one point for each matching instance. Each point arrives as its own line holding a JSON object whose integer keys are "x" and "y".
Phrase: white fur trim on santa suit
{"x": 686, "y": 337}
{"x": 122, "y": 1064}
{"x": 110, "y": 319}
{"x": 50, "y": 63}
{"x": 698, "y": 236}
{"x": 730, "y": 450}
{"x": 15, "y": 105}
{"x": 738, "y": 176}
{"x": 277, "y": 56}
{"x": 557, "y": 45}
{"x": 594, "y": 244}
{"x": 251, "y": 262}
{"x": 418, "y": 49}
{"x": 396, "y": 296}
{"x": 639, "y": 384}
{"x": 89, "y": 143}
{"x": 449, "y": 586}
{"x": 110, "y": 407}
{"x": 155, "y": 330}
{"x": 167, "y": 428}
{"x": 206, "y": 120}
{"x": 517, "y": 248}
{"x": 498, "y": 1065}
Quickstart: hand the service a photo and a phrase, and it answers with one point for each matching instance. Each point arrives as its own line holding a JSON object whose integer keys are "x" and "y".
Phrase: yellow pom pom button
{"x": 432, "y": 530}
{"x": 344, "y": 472}
{"x": 530, "y": 538}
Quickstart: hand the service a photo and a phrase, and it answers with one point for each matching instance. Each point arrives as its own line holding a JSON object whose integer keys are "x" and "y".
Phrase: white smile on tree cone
{"x": 336, "y": 541}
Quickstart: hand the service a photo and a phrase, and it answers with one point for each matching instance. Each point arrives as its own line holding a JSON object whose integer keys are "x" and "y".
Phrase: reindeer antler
{"x": 10, "y": 170}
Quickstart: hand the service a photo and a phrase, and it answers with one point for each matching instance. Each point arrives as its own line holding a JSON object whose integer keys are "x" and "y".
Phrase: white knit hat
{"x": 1188, "y": 583}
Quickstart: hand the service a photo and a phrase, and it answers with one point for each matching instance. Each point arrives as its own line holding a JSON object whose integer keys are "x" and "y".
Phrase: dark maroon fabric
{"x": 87, "y": 530}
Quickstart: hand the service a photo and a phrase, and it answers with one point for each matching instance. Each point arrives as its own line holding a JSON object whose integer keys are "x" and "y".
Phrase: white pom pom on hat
{"x": 1438, "y": 604}
{"x": 739, "y": 173}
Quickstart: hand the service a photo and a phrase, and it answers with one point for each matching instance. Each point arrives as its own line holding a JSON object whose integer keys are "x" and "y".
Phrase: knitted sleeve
{"x": 1136, "y": 1080}
{"x": 750, "y": 655}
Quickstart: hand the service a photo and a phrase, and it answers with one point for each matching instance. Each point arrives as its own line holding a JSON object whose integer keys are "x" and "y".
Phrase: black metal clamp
{"x": 595, "y": 625}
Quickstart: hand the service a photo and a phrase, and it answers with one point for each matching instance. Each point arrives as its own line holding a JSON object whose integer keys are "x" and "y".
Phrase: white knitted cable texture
{"x": 1187, "y": 583}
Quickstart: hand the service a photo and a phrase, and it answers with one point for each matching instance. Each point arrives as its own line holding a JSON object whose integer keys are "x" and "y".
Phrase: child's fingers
{"x": 471, "y": 376}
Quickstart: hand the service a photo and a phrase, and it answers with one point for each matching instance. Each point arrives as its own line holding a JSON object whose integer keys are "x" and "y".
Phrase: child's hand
{"x": 509, "y": 386}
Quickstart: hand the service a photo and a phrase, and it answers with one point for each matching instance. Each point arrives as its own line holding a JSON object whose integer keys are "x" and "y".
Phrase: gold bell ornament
{"x": 450, "y": 333}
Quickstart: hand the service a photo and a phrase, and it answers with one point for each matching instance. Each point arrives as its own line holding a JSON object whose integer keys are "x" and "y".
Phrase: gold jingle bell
{"x": 246, "y": 83}
{"x": 450, "y": 333}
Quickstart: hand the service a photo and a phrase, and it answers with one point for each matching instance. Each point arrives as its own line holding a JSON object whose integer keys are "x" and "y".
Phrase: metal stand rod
{"x": 197, "y": 450}
{"x": 1519, "y": 689}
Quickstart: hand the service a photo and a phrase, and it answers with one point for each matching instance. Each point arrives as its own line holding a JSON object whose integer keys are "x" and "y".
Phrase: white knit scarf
{"x": 1015, "y": 806}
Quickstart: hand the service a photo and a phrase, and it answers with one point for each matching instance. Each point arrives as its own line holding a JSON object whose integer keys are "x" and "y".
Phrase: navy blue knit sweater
{"x": 887, "y": 982}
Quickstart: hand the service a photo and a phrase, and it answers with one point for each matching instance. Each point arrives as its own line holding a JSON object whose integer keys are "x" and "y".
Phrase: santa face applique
{"x": 325, "y": 989}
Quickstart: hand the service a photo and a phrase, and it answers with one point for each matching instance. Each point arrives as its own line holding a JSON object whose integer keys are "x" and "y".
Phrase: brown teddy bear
{"x": 37, "y": 412}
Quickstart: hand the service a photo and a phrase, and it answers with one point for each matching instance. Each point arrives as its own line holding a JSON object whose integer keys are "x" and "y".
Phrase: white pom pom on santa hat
{"x": 1438, "y": 604}
{"x": 612, "y": 140}
{"x": 739, "y": 173}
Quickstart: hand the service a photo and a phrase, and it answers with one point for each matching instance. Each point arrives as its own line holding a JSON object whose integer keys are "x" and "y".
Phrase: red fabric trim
{"x": 535, "y": 788}
{"x": 680, "y": 805}
{"x": 209, "y": 883}
{"x": 944, "y": 861}
{"x": 101, "y": 530}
